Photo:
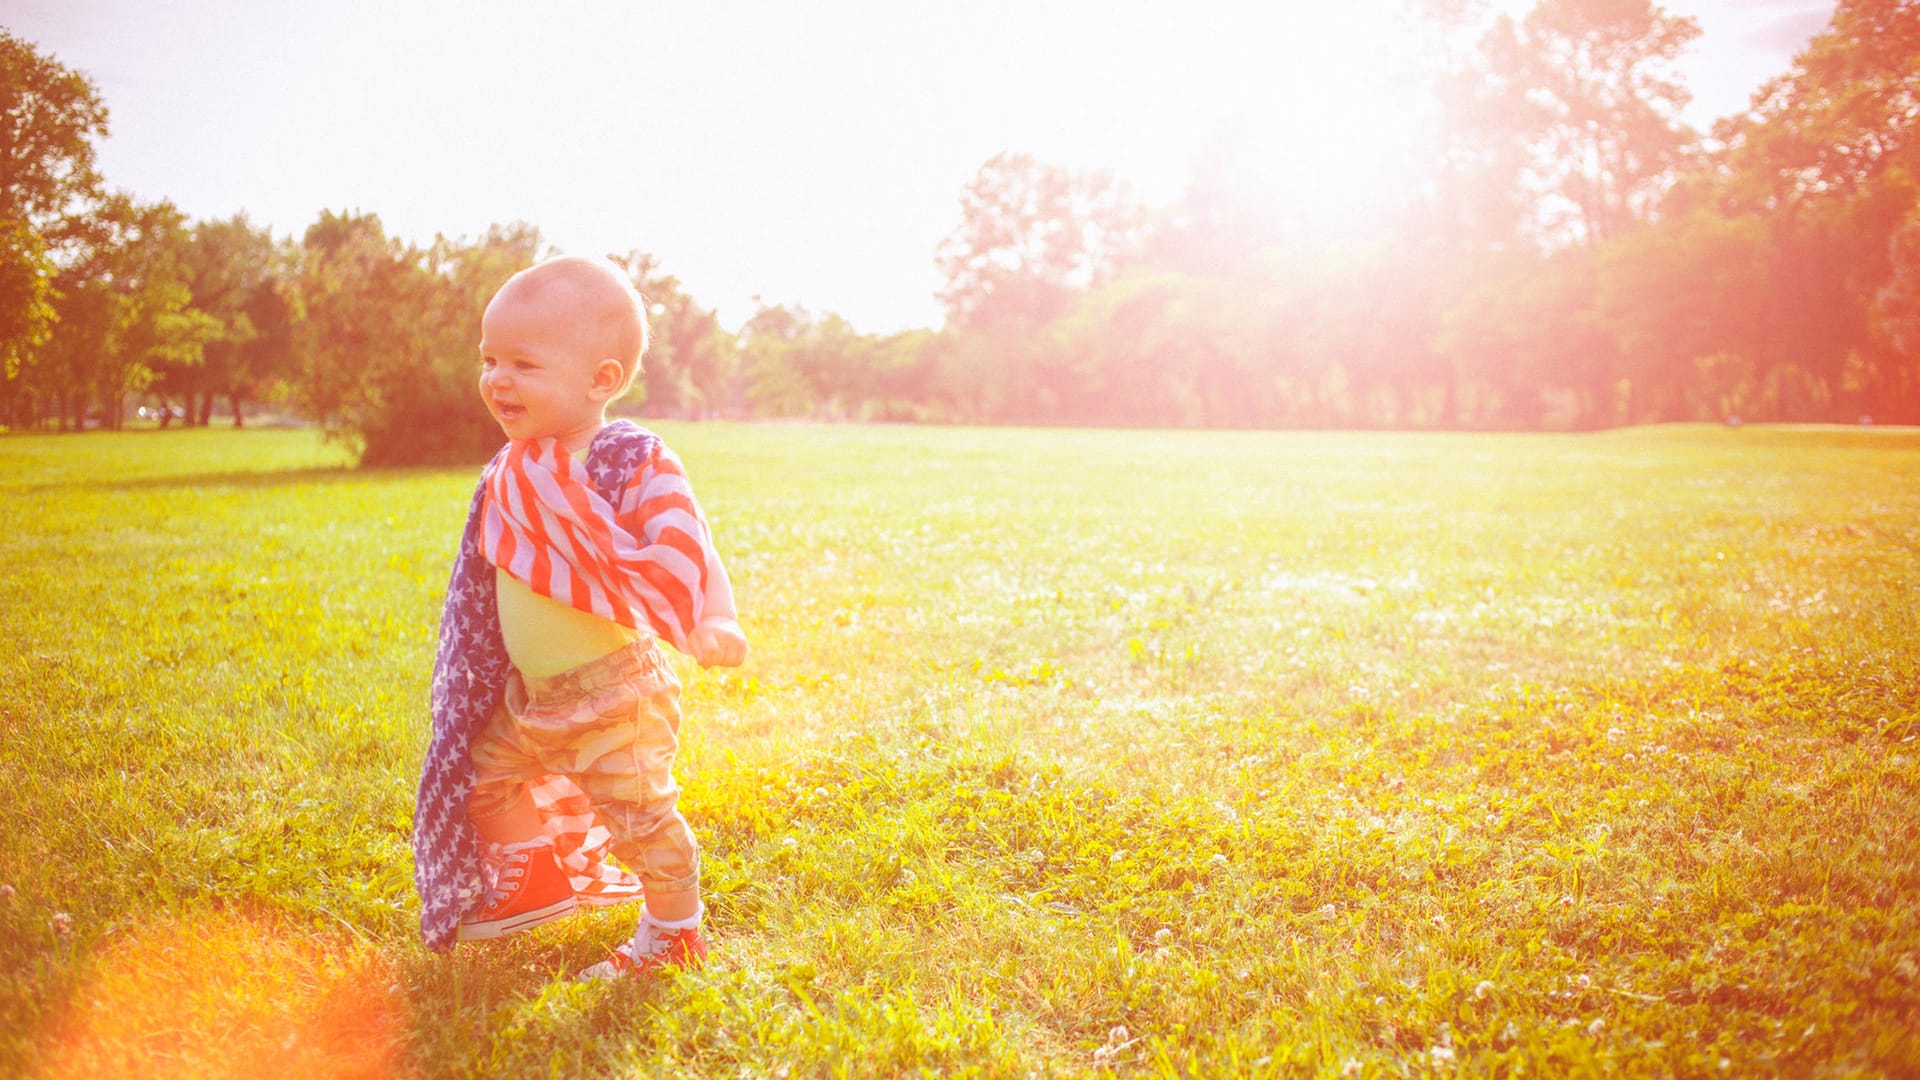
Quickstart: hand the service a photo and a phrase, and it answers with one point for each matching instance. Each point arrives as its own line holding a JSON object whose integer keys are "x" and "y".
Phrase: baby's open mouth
{"x": 507, "y": 412}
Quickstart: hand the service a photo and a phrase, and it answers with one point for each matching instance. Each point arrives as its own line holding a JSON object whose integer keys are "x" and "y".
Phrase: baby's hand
{"x": 719, "y": 643}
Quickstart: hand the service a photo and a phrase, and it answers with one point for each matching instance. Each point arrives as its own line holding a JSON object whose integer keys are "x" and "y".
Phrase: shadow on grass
{"x": 267, "y": 479}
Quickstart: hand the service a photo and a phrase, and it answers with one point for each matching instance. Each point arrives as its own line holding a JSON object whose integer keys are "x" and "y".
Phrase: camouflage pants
{"x": 611, "y": 727}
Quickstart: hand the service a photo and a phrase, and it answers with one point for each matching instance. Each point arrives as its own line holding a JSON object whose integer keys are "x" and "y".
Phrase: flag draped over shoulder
{"x": 551, "y": 519}
{"x": 642, "y": 562}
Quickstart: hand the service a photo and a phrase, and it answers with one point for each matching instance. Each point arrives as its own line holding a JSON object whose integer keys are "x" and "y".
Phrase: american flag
{"x": 644, "y": 564}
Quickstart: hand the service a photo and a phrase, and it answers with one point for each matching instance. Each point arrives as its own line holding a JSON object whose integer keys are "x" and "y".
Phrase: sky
{"x": 776, "y": 152}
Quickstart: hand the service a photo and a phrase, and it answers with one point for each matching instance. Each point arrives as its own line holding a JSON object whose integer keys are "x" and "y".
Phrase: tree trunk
{"x": 234, "y": 398}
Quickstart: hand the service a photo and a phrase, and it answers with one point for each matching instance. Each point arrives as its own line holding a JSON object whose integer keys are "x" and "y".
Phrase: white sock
{"x": 647, "y": 918}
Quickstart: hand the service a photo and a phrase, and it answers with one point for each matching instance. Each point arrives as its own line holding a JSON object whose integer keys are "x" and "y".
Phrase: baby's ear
{"x": 607, "y": 377}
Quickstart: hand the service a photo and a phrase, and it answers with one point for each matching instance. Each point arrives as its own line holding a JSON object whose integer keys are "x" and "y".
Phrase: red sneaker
{"x": 650, "y": 950}
{"x": 531, "y": 889}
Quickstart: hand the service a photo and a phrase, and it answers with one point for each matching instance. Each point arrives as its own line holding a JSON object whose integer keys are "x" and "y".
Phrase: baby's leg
{"x": 617, "y": 743}
{"x": 618, "y": 747}
{"x": 505, "y": 815}
{"x": 634, "y": 794}
{"x": 527, "y": 887}
{"x": 501, "y": 806}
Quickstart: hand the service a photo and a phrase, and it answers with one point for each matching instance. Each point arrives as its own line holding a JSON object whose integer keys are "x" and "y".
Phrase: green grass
{"x": 1288, "y": 754}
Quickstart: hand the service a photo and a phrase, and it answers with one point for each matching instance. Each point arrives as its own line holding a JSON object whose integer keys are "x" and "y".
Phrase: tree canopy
{"x": 1564, "y": 252}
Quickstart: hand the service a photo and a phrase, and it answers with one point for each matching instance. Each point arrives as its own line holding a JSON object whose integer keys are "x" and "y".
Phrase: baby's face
{"x": 537, "y": 369}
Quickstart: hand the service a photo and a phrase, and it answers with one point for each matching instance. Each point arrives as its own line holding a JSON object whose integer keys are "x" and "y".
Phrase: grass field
{"x": 1058, "y": 752}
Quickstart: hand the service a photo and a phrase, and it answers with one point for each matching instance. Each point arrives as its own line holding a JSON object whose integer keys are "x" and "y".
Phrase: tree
{"x": 892, "y": 378}
{"x": 1223, "y": 222}
{"x": 385, "y": 344}
{"x": 154, "y": 326}
{"x": 1686, "y": 303}
{"x": 430, "y": 390}
{"x": 1844, "y": 115}
{"x": 1895, "y": 385}
{"x": 49, "y": 117}
{"x": 1827, "y": 156}
{"x": 775, "y": 358}
{"x": 690, "y": 363}
{"x": 123, "y": 312}
{"x": 241, "y": 277}
{"x": 26, "y": 311}
{"x": 1165, "y": 349}
{"x": 1031, "y": 235}
{"x": 1589, "y": 84}
{"x": 1474, "y": 198}
{"x": 1530, "y": 349}
{"x": 1898, "y": 302}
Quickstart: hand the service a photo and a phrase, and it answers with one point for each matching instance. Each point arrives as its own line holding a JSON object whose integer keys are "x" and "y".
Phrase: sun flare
{"x": 1312, "y": 112}
{"x": 226, "y": 995}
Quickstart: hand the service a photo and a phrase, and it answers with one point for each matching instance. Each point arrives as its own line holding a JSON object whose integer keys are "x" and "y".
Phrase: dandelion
{"x": 62, "y": 924}
{"x": 1582, "y": 981}
{"x": 1162, "y": 936}
{"x": 1483, "y": 990}
{"x": 6, "y": 893}
{"x": 1118, "y": 1039}
{"x": 1595, "y": 1028}
{"x": 1328, "y": 911}
{"x": 1442, "y": 1056}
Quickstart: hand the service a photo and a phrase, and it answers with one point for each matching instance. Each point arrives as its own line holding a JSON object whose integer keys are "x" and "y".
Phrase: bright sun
{"x": 1313, "y": 109}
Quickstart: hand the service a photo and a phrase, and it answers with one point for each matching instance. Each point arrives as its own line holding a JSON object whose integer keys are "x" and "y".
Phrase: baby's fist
{"x": 719, "y": 643}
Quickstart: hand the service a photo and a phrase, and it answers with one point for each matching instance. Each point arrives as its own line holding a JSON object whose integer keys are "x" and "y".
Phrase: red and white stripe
{"x": 643, "y": 565}
{"x": 582, "y": 845}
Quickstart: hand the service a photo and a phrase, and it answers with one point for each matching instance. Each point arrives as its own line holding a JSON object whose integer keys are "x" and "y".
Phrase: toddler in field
{"x": 555, "y": 711}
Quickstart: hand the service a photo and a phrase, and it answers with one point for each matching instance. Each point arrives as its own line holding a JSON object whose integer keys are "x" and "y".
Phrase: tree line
{"x": 1568, "y": 254}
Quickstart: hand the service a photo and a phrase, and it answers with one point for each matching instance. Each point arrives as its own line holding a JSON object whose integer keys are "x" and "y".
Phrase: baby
{"x": 556, "y": 712}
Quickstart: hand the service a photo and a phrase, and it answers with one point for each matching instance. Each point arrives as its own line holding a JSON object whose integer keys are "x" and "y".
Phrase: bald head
{"x": 595, "y": 297}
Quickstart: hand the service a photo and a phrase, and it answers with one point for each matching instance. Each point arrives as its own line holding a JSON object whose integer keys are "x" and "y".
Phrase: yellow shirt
{"x": 545, "y": 637}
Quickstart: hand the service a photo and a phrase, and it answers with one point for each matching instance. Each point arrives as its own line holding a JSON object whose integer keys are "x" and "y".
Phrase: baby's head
{"x": 560, "y": 340}
{"x": 593, "y": 299}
